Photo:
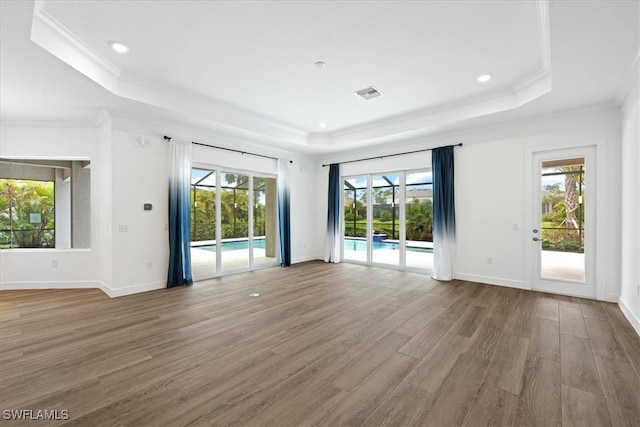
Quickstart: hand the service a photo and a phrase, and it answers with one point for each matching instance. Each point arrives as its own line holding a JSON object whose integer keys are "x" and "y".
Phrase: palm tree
{"x": 571, "y": 195}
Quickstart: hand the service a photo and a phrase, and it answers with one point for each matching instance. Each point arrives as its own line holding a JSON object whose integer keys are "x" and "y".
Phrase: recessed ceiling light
{"x": 320, "y": 64}
{"x": 119, "y": 47}
{"x": 323, "y": 124}
{"x": 484, "y": 78}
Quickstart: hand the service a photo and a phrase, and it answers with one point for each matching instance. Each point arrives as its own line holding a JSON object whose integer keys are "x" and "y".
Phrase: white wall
{"x": 104, "y": 227}
{"x": 307, "y": 240}
{"x": 491, "y": 196}
{"x": 81, "y": 205}
{"x": 62, "y": 208}
{"x": 630, "y": 269}
{"x": 33, "y": 268}
{"x": 140, "y": 175}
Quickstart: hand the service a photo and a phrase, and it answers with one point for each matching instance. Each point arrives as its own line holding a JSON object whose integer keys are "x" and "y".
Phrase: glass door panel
{"x": 385, "y": 196}
{"x": 234, "y": 212}
{"x": 264, "y": 220}
{"x": 563, "y": 206}
{"x": 355, "y": 219}
{"x": 562, "y": 225}
{"x": 419, "y": 220}
{"x": 203, "y": 222}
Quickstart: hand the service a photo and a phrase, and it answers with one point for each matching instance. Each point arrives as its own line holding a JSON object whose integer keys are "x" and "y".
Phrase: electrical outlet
{"x": 489, "y": 260}
{"x": 123, "y": 228}
{"x": 54, "y": 263}
{"x": 149, "y": 265}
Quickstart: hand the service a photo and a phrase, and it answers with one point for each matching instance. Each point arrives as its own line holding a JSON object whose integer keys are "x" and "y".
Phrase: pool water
{"x": 349, "y": 244}
{"x": 361, "y": 245}
{"x": 235, "y": 245}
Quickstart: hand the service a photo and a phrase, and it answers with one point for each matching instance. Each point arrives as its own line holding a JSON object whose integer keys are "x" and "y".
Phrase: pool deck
{"x": 556, "y": 265}
{"x": 563, "y": 265}
{"x": 203, "y": 261}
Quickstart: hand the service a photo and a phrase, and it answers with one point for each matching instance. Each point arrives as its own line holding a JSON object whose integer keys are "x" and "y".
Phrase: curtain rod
{"x": 168, "y": 138}
{"x": 396, "y": 154}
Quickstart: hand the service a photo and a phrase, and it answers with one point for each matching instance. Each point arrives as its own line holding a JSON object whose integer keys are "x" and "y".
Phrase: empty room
{"x": 320, "y": 213}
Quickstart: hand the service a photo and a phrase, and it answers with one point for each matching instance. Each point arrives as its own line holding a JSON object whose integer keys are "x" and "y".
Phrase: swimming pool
{"x": 233, "y": 245}
{"x": 349, "y": 244}
{"x": 361, "y": 245}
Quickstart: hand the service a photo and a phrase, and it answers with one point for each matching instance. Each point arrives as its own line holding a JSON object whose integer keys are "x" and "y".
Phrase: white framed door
{"x": 562, "y": 233}
{"x": 387, "y": 219}
{"x": 234, "y": 223}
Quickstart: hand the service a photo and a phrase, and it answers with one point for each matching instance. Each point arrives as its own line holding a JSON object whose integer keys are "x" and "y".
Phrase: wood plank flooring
{"x": 323, "y": 345}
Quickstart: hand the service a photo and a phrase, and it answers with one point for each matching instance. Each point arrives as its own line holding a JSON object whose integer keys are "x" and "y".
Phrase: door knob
{"x": 535, "y": 239}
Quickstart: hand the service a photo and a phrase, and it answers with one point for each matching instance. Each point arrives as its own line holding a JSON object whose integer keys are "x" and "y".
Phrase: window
{"x": 27, "y": 217}
{"x": 44, "y": 204}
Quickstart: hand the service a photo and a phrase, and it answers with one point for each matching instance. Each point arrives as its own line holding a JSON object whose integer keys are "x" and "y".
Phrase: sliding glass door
{"x": 234, "y": 204}
{"x": 418, "y": 222}
{"x": 385, "y": 203}
{"x": 356, "y": 226}
{"x": 388, "y": 220}
{"x": 233, "y": 222}
{"x": 203, "y": 222}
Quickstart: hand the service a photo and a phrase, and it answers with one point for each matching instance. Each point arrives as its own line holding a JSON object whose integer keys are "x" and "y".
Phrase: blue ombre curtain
{"x": 332, "y": 250}
{"x": 284, "y": 213}
{"x": 444, "y": 213}
{"x": 179, "y": 215}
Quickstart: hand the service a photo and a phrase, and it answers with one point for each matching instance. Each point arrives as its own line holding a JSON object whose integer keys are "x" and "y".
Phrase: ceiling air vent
{"x": 368, "y": 93}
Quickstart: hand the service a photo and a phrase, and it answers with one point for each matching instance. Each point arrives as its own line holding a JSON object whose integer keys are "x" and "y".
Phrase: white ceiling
{"x": 246, "y": 68}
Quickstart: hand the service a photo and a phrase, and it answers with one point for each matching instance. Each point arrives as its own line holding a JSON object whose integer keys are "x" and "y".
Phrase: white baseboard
{"x": 307, "y": 258}
{"x": 88, "y": 284}
{"x": 635, "y": 322}
{"x": 78, "y": 284}
{"x": 136, "y": 289}
{"x": 518, "y": 284}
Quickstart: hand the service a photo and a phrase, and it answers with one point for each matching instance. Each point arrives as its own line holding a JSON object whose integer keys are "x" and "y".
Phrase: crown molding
{"x": 207, "y": 132}
{"x": 53, "y": 36}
